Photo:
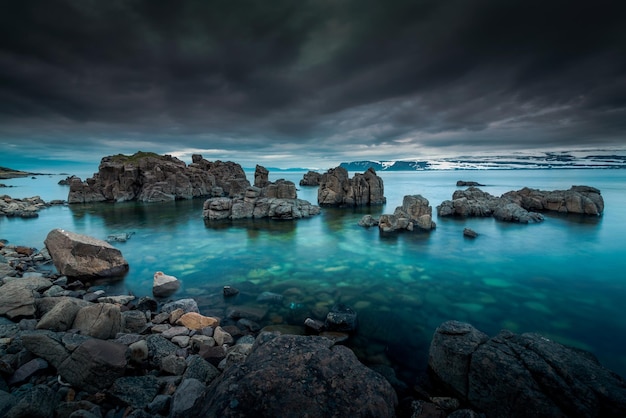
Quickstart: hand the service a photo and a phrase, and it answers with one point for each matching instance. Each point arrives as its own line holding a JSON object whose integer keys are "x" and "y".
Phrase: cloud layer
{"x": 310, "y": 83}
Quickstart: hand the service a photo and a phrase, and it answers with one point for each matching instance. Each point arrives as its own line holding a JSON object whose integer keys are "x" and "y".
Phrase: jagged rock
{"x": 81, "y": 256}
{"x": 94, "y": 365}
{"x": 578, "y": 199}
{"x": 520, "y": 206}
{"x": 511, "y": 212}
{"x": 368, "y": 221}
{"x": 100, "y": 320}
{"x": 311, "y": 178}
{"x": 149, "y": 177}
{"x": 462, "y": 183}
{"x": 261, "y": 176}
{"x": 187, "y": 305}
{"x": 470, "y": 233}
{"x": 341, "y": 318}
{"x": 414, "y": 212}
{"x": 282, "y": 372}
{"x": 66, "y": 181}
{"x": 17, "y": 296}
{"x": 257, "y": 207}
{"x": 514, "y": 375}
{"x": 337, "y": 189}
{"x": 164, "y": 285}
{"x": 24, "y": 208}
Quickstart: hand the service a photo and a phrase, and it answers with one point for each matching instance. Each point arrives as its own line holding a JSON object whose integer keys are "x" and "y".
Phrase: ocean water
{"x": 563, "y": 278}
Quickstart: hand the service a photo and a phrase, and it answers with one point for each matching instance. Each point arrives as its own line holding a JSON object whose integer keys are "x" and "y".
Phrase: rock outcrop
{"x": 311, "y": 178}
{"x": 24, "y": 208}
{"x": 289, "y": 375}
{"x": 81, "y": 256}
{"x": 337, "y": 189}
{"x": 150, "y": 177}
{"x": 513, "y": 375}
{"x": 275, "y": 200}
{"x": 415, "y": 212}
{"x": 523, "y": 205}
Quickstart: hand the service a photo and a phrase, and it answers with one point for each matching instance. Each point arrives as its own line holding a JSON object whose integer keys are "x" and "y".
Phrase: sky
{"x": 308, "y": 83}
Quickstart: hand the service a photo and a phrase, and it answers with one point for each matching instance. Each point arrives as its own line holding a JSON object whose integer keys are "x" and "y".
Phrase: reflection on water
{"x": 561, "y": 278}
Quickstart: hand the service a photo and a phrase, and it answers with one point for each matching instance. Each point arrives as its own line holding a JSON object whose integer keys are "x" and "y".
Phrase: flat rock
{"x": 195, "y": 321}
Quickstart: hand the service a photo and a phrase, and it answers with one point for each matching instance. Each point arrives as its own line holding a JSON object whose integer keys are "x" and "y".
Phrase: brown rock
{"x": 17, "y": 298}
{"x": 81, "y": 256}
{"x": 195, "y": 321}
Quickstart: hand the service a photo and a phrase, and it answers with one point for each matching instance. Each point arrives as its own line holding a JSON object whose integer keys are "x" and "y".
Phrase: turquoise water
{"x": 563, "y": 278}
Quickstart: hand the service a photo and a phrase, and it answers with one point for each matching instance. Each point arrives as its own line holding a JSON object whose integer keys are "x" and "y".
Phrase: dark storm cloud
{"x": 330, "y": 77}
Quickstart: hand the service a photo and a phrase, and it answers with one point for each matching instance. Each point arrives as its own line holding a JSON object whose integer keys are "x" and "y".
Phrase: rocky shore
{"x": 68, "y": 349}
{"x": 24, "y": 208}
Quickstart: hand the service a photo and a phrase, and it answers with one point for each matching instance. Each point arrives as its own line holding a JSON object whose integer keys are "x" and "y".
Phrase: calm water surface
{"x": 563, "y": 278}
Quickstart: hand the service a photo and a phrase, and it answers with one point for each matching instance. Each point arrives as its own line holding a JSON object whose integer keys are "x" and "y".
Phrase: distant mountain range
{"x": 548, "y": 160}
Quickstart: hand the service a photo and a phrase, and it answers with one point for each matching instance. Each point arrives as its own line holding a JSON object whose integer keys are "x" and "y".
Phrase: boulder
{"x": 94, "y": 365}
{"x": 100, "y": 320}
{"x": 164, "y": 285}
{"x": 136, "y": 391}
{"x": 187, "y": 305}
{"x": 516, "y": 375}
{"x": 81, "y": 256}
{"x": 368, "y": 221}
{"x": 290, "y": 375}
{"x": 48, "y": 345}
{"x": 511, "y": 212}
{"x": 337, "y": 189}
{"x": 470, "y": 233}
{"x": 463, "y": 183}
{"x": 311, "y": 178}
{"x": 17, "y": 296}
{"x": 414, "y": 212}
{"x": 341, "y": 318}
{"x": 185, "y": 397}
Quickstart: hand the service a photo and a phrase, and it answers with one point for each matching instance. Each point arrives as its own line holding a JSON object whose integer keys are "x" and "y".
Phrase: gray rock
{"x": 17, "y": 296}
{"x": 311, "y": 178}
{"x": 160, "y": 405}
{"x": 134, "y": 321}
{"x": 303, "y": 376}
{"x": 47, "y": 345}
{"x": 341, "y": 318}
{"x": 173, "y": 364}
{"x": 62, "y": 315}
{"x": 185, "y": 397}
{"x": 337, "y": 189}
{"x": 136, "y": 391}
{"x": 117, "y": 299}
{"x": 470, "y": 233}
{"x": 7, "y": 401}
{"x": 146, "y": 303}
{"x": 27, "y": 370}
{"x": 462, "y": 183}
{"x": 368, "y": 221}
{"x": 230, "y": 291}
{"x": 511, "y": 212}
{"x": 139, "y": 351}
{"x": 187, "y": 305}
{"x": 94, "y": 365}
{"x": 76, "y": 255}
{"x": 200, "y": 369}
{"x": 40, "y": 401}
{"x": 510, "y": 375}
{"x": 100, "y": 320}
{"x": 159, "y": 348}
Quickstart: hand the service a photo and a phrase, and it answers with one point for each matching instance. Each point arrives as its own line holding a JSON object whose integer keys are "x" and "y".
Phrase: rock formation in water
{"x": 522, "y": 205}
{"x": 311, "y": 178}
{"x": 23, "y": 208}
{"x": 415, "y": 212}
{"x": 524, "y": 375}
{"x": 150, "y": 177}
{"x": 337, "y": 189}
{"x": 463, "y": 183}
{"x": 275, "y": 200}
{"x": 81, "y": 256}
